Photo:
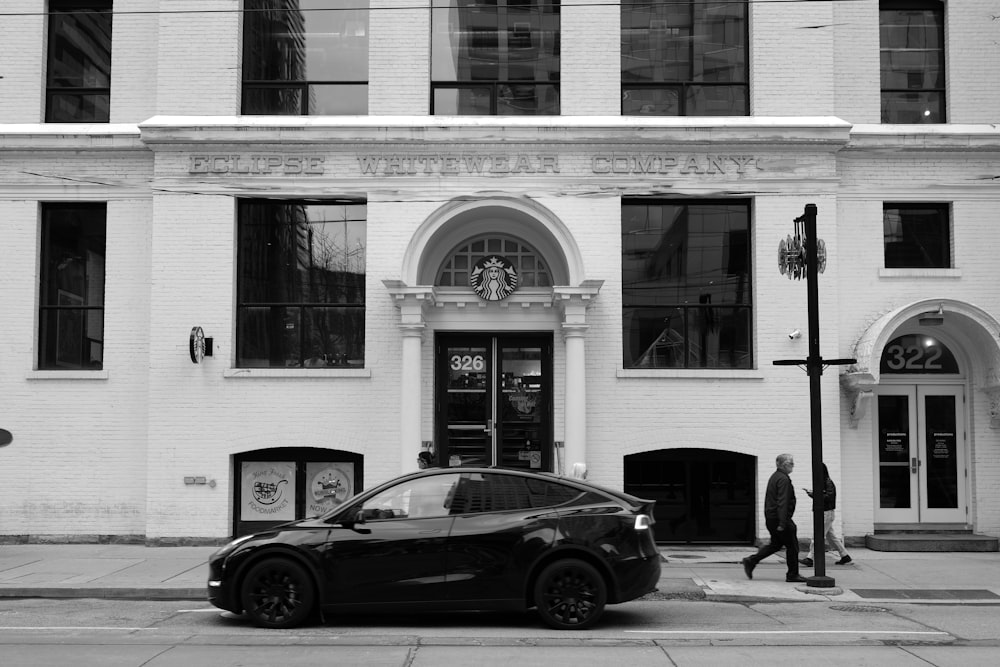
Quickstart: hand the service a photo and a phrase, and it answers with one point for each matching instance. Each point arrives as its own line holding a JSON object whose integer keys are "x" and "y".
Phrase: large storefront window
{"x": 495, "y": 57}
{"x": 305, "y": 57}
{"x": 78, "y": 80}
{"x": 684, "y": 58}
{"x": 912, "y": 61}
{"x": 301, "y": 284}
{"x": 71, "y": 299}
{"x": 686, "y": 292}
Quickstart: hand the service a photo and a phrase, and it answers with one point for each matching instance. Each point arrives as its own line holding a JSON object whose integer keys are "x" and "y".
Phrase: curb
{"x": 56, "y": 593}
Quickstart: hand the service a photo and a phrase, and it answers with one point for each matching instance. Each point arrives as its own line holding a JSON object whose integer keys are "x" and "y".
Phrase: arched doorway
{"x": 702, "y": 496}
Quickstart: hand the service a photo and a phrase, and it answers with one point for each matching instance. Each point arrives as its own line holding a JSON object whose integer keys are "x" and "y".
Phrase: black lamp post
{"x": 804, "y": 255}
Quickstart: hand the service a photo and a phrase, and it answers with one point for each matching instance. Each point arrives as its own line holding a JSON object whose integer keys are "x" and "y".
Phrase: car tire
{"x": 278, "y": 593}
{"x": 570, "y": 595}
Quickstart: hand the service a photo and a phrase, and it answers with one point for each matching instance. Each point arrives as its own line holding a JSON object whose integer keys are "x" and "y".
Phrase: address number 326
{"x": 468, "y": 362}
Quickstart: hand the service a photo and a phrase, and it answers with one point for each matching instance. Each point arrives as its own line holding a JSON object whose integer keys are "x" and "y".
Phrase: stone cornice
{"x": 819, "y": 133}
{"x": 925, "y": 138}
{"x": 71, "y": 137}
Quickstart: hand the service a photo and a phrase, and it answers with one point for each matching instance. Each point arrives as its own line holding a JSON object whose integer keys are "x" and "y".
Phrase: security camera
{"x": 795, "y": 334}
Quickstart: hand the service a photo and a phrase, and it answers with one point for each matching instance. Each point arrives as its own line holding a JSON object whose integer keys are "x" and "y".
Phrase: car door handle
{"x": 428, "y": 532}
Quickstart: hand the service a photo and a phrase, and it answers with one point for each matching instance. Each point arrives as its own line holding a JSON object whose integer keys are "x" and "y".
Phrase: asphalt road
{"x": 189, "y": 634}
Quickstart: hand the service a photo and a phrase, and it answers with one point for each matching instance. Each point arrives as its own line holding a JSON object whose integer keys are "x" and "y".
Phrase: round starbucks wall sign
{"x": 493, "y": 278}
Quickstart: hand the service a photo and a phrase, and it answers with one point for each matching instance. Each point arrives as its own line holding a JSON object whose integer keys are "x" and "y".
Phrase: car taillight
{"x": 642, "y": 522}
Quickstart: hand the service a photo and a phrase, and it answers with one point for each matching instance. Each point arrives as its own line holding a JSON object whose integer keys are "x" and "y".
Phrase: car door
{"x": 398, "y": 554}
{"x": 498, "y": 534}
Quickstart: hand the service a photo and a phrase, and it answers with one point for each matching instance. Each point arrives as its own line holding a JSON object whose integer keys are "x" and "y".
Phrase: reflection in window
{"x": 78, "y": 79}
{"x": 684, "y": 58}
{"x": 71, "y": 299}
{"x": 686, "y": 289}
{"x": 912, "y": 61}
{"x": 301, "y": 284}
{"x": 305, "y": 57}
{"x": 495, "y": 57}
{"x": 917, "y": 236}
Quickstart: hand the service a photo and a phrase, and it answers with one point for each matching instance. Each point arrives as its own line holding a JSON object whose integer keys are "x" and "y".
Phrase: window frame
{"x": 497, "y": 87}
{"x": 705, "y": 312}
{"x": 249, "y": 87}
{"x": 684, "y": 88}
{"x": 79, "y": 309}
{"x": 944, "y": 234}
{"x": 886, "y": 93}
{"x": 243, "y": 305}
{"x": 61, "y": 7}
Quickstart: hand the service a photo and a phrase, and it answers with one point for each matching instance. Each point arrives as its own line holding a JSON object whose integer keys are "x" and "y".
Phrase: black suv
{"x": 449, "y": 539}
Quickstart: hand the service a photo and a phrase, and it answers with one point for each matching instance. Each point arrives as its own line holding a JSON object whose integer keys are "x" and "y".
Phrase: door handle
{"x": 913, "y": 465}
{"x": 489, "y": 426}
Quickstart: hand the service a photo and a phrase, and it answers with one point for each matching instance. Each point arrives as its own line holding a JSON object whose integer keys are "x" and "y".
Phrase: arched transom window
{"x": 531, "y": 269}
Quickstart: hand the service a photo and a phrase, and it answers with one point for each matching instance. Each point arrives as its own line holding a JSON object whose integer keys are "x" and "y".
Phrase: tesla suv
{"x": 448, "y": 539}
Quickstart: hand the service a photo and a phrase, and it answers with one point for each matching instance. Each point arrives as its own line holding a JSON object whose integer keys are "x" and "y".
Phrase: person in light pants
{"x": 829, "y": 507}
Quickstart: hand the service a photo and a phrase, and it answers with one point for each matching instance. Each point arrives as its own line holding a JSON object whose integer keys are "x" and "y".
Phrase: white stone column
{"x": 574, "y": 302}
{"x": 410, "y": 301}
{"x": 409, "y": 401}
{"x": 576, "y": 398}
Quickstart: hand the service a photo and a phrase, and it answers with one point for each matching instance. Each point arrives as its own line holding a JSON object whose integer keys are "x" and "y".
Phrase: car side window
{"x": 552, "y": 494}
{"x": 488, "y": 492}
{"x": 421, "y": 498}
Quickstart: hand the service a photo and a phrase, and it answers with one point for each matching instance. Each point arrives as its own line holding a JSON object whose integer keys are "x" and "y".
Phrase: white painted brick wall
{"x": 198, "y": 58}
{"x": 22, "y": 59}
{"x": 114, "y": 451}
{"x": 791, "y": 59}
{"x": 399, "y": 57}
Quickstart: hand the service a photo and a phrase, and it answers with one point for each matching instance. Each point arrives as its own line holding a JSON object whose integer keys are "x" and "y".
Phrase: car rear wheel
{"x": 278, "y": 593}
{"x": 570, "y": 595}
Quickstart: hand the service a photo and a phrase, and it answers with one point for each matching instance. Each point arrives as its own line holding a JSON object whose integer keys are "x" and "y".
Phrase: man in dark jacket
{"x": 779, "y": 506}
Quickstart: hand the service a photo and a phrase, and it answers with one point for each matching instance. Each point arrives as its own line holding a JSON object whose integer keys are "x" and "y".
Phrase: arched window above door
{"x": 532, "y": 270}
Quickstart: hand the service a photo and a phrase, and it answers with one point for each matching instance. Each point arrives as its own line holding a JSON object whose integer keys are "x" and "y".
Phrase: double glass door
{"x": 920, "y": 455}
{"x": 494, "y": 400}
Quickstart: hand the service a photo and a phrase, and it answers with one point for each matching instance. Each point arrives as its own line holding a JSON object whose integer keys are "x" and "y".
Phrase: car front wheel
{"x": 570, "y": 595}
{"x": 278, "y": 593}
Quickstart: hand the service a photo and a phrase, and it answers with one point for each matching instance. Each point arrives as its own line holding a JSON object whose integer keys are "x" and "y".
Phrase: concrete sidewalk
{"x": 712, "y": 573}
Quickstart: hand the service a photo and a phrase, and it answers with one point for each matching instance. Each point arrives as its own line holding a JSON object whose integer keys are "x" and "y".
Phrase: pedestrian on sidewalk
{"x": 779, "y": 506}
{"x": 829, "y": 505}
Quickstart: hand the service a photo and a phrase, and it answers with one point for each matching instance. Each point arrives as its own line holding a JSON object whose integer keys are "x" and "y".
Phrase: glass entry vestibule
{"x": 493, "y": 403}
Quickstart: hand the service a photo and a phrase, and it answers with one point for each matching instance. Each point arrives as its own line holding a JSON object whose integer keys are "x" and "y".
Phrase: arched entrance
{"x": 922, "y": 368}
{"x": 702, "y": 495}
{"x": 490, "y": 364}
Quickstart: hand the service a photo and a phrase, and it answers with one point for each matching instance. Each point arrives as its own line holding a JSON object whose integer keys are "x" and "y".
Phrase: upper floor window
{"x": 71, "y": 298}
{"x": 300, "y": 284}
{"x": 495, "y": 57}
{"x": 917, "y": 236}
{"x": 912, "y": 61}
{"x": 78, "y": 79}
{"x": 686, "y": 290}
{"x": 305, "y": 57}
{"x": 684, "y": 58}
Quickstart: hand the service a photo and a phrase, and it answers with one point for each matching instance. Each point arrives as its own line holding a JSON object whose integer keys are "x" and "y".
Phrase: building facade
{"x": 261, "y": 254}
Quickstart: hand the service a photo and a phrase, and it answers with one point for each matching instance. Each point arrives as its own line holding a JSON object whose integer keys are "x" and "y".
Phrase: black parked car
{"x": 448, "y": 539}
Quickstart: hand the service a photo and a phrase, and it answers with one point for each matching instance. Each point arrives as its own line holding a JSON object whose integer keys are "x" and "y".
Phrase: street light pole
{"x": 811, "y": 252}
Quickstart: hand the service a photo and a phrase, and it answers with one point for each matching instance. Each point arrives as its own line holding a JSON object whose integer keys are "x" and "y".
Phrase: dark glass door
{"x": 921, "y": 454}
{"x": 494, "y": 400}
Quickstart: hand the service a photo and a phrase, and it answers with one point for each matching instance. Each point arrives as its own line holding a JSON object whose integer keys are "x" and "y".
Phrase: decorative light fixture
{"x": 933, "y": 318}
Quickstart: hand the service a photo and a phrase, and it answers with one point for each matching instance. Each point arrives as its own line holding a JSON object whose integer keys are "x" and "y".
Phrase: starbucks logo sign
{"x": 493, "y": 278}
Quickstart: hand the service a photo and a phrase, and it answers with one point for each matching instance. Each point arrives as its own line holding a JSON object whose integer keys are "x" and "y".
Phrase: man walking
{"x": 779, "y": 506}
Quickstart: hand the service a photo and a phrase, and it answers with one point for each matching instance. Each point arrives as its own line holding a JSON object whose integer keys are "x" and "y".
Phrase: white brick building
{"x": 117, "y": 434}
